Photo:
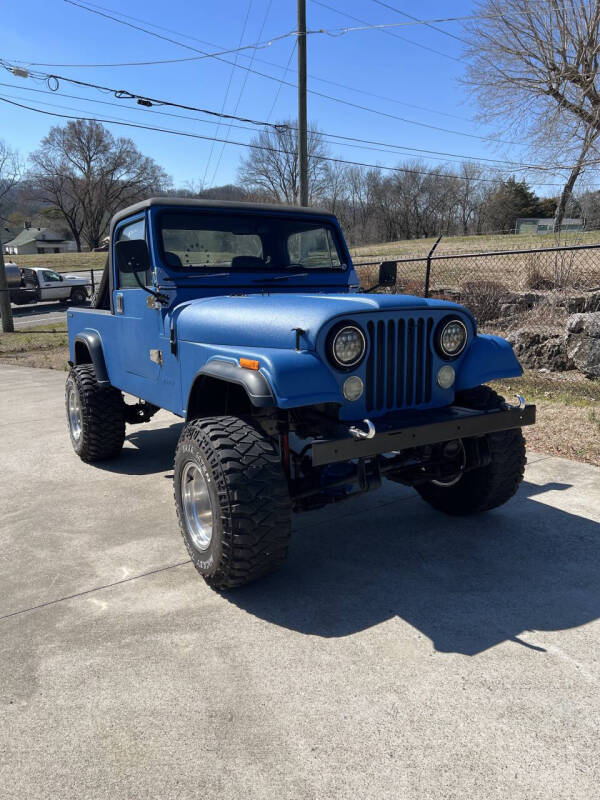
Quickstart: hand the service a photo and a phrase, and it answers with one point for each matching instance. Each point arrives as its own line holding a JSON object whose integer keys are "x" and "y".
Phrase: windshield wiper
{"x": 270, "y": 278}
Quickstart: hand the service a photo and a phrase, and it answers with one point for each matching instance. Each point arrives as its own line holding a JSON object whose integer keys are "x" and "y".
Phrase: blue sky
{"x": 418, "y": 84}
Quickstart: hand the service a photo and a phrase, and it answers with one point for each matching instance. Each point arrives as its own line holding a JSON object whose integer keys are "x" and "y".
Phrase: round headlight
{"x": 445, "y": 376}
{"x": 348, "y": 346}
{"x": 352, "y": 388}
{"x": 453, "y": 338}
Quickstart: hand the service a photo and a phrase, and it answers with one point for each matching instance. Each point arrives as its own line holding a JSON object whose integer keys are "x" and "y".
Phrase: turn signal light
{"x": 249, "y": 363}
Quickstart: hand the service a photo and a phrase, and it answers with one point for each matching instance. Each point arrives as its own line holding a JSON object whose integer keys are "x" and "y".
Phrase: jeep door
{"x": 138, "y": 324}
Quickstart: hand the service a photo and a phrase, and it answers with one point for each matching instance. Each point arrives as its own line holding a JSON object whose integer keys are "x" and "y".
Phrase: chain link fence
{"x": 527, "y": 294}
{"x": 535, "y": 289}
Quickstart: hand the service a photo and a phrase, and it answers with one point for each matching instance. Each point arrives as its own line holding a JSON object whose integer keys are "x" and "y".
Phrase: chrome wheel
{"x": 74, "y": 412}
{"x": 197, "y": 505}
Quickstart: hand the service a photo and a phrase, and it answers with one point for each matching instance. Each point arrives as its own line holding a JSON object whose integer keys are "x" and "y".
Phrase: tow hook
{"x": 368, "y": 434}
{"x": 520, "y": 404}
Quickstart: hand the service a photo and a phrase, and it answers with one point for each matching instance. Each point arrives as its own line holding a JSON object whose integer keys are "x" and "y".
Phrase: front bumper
{"x": 431, "y": 427}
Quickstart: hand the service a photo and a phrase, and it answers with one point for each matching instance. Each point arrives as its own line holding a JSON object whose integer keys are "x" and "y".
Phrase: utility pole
{"x": 5, "y": 309}
{"x": 302, "y": 117}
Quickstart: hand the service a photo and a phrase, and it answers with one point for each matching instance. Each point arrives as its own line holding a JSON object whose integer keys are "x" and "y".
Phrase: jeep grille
{"x": 399, "y": 364}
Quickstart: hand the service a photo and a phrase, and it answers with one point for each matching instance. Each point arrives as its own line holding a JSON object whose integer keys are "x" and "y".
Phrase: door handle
{"x": 119, "y": 303}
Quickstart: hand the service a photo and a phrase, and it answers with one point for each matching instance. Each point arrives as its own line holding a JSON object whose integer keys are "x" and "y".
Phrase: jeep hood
{"x": 269, "y": 320}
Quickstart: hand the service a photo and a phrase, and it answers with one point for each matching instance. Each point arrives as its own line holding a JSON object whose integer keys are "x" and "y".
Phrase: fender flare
{"x": 489, "y": 358}
{"x": 257, "y": 387}
{"x": 93, "y": 342}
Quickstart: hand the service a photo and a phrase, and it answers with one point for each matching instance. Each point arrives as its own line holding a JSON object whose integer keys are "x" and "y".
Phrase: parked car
{"x": 38, "y": 284}
{"x": 296, "y": 388}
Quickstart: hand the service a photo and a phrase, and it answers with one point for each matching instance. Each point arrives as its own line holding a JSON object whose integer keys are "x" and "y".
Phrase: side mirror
{"x": 388, "y": 273}
{"x": 132, "y": 255}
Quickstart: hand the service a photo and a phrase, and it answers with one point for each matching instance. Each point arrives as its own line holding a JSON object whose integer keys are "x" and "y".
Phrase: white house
{"x": 32, "y": 241}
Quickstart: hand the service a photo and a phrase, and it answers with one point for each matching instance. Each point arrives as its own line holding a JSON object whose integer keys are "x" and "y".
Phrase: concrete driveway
{"x": 399, "y": 653}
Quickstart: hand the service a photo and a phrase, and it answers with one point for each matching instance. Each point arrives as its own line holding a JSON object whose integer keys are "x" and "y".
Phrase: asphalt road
{"x": 39, "y": 314}
{"x": 399, "y": 653}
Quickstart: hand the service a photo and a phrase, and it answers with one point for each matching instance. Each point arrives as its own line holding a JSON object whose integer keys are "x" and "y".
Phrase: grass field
{"x": 568, "y": 413}
{"x": 40, "y": 346}
{"x": 62, "y": 262}
{"x": 406, "y": 248}
{"x": 416, "y": 248}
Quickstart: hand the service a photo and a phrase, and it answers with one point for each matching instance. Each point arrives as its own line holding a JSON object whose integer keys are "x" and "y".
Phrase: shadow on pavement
{"x": 467, "y": 584}
{"x": 153, "y": 451}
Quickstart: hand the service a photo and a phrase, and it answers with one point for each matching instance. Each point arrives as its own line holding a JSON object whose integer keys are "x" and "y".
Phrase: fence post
{"x": 428, "y": 268}
{"x": 92, "y": 282}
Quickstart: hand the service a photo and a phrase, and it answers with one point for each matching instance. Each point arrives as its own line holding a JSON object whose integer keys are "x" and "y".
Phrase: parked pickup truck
{"x": 297, "y": 388}
{"x": 38, "y": 284}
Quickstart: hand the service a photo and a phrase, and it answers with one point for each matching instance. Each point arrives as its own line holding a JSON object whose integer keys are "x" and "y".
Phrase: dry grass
{"x": 62, "y": 262}
{"x": 568, "y": 413}
{"x": 520, "y": 271}
{"x": 525, "y": 271}
{"x": 41, "y": 346}
{"x": 415, "y": 248}
{"x": 514, "y": 271}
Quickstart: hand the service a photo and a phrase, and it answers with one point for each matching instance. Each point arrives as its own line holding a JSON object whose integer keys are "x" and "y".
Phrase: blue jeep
{"x": 297, "y": 389}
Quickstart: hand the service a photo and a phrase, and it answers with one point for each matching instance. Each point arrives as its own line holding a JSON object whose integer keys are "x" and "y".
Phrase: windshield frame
{"x": 330, "y": 223}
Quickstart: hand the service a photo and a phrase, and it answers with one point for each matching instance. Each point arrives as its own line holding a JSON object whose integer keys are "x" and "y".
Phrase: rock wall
{"x": 583, "y": 342}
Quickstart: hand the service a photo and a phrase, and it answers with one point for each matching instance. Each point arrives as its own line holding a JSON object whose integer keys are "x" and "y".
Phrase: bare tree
{"x": 271, "y": 166}
{"x": 536, "y": 64}
{"x": 11, "y": 169}
{"x": 87, "y": 174}
{"x": 469, "y": 194}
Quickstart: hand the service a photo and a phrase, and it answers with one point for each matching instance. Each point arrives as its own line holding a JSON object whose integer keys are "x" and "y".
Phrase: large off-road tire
{"x": 96, "y": 415}
{"x": 78, "y": 296}
{"x": 486, "y": 487}
{"x": 232, "y": 500}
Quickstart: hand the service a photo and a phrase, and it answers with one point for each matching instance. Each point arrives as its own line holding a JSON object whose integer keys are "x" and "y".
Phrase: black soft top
{"x": 186, "y": 202}
{"x": 101, "y": 299}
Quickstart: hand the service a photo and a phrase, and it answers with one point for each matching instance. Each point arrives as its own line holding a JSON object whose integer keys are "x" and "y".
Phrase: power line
{"x": 339, "y": 31}
{"x": 510, "y": 164}
{"x": 427, "y": 24}
{"x": 388, "y": 32}
{"x": 253, "y": 146}
{"x": 242, "y": 54}
{"x": 189, "y": 59}
{"x": 278, "y": 92}
{"x": 218, "y": 128}
{"x": 327, "y": 136}
{"x": 243, "y": 87}
{"x": 53, "y": 83}
{"x": 287, "y": 83}
{"x": 311, "y": 91}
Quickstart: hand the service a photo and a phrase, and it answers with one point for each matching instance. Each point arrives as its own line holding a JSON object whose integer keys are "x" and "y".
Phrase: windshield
{"x": 247, "y": 243}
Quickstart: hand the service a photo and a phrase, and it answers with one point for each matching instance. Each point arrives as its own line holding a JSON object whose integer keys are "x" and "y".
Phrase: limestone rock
{"x": 583, "y": 342}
